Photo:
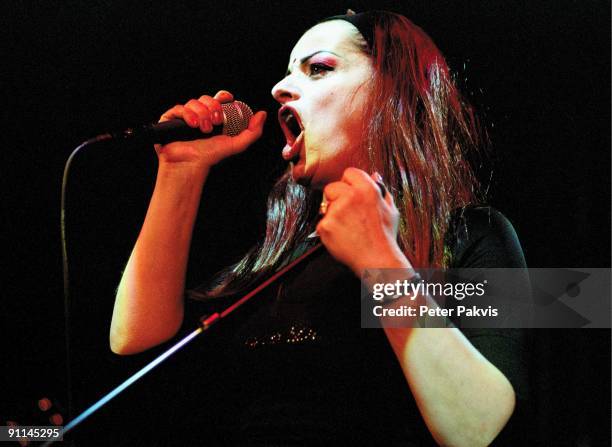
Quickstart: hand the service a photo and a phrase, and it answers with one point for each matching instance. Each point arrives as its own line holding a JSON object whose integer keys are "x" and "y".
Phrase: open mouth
{"x": 294, "y": 132}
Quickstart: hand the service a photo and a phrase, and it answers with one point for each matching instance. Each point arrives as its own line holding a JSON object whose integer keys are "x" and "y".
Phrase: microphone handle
{"x": 236, "y": 116}
{"x": 167, "y": 132}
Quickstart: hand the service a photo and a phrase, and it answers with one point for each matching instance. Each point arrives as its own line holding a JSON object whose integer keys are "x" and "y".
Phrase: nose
{"x": 285, "y": 90}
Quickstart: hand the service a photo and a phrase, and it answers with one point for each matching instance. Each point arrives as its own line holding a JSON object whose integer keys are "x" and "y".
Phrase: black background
{"x": 538, "y": 72}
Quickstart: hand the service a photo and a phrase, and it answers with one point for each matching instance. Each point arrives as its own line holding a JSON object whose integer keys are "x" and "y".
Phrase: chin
{"x": 306, "y": 176}
{"x": 299, "y": 176}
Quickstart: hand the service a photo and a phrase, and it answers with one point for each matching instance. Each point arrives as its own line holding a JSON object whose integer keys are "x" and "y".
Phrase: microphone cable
{"x": 65, "y": 269}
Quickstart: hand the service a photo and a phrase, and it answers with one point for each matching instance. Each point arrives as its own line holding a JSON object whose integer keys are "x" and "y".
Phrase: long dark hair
{"x": 418, "y": 133}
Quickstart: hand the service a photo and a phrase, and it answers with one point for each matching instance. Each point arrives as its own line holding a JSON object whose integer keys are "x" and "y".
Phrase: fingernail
{"x": 216, "y": 116}
{"x": 378, "y": 177}
{"x": 207, "y": 125}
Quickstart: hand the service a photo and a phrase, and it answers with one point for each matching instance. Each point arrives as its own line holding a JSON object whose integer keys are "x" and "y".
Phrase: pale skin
{"x": 463, "y": 398}
{"x": 149, "y": 303}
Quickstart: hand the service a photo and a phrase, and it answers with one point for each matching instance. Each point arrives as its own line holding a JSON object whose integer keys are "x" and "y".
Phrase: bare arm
{"x": 149, "y": 303}
{"x": 464, "y": 399}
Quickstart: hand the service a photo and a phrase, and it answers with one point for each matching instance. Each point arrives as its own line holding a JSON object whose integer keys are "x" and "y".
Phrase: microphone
{"x": 236, "y": 116}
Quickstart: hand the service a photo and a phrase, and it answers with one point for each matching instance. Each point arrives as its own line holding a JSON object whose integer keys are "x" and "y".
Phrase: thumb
{"x": 248, "y": 136}
{"x": 384, "y": 192}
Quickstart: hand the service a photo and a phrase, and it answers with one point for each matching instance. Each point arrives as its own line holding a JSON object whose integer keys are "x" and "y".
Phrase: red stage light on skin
{"x": 44, "y": 404}
{"x": 56, "y": 419}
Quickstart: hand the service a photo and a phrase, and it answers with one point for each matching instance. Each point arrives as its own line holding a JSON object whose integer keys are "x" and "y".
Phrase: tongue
{"x": 291, "y": 150}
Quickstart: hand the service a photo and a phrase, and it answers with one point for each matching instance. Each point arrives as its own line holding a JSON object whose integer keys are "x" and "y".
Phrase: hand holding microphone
{"x": 215, "y": 126}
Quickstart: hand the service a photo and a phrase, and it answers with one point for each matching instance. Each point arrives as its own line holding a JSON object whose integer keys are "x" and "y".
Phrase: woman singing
{"x": 367, "y": 100}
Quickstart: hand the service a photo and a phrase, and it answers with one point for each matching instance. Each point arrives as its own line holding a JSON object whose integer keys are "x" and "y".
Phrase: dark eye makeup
{"x": 318, "y": 68}
{"x": 314, "y": 65}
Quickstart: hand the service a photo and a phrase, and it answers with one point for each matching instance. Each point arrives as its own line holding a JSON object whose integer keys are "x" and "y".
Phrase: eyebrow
{"x": 305, "y": 58}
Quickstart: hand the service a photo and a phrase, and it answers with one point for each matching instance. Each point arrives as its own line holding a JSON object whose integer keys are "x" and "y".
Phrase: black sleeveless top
{"x": 303, "y": 372}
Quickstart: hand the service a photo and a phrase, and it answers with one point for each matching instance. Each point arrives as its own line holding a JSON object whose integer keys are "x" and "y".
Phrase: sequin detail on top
{"x": 296, "y": 335}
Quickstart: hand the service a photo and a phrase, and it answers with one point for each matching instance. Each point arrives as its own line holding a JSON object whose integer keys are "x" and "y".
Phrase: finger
{"x": 215, "y": 109}
{"x": 384, "y": 191}
{"x": 248, "y": 136}
{"x": 380, "y": 183}
{"x": 323, "y": 227}
{"x": 382, "y": 188}
{"x": 180, "y": 112}
{"x": 224, "y": 96}
{"x": 203, "y": 113}
{"x": 356, "y": 177}
{"x": 334, "y": 190}
{"x": 361, "y": 181}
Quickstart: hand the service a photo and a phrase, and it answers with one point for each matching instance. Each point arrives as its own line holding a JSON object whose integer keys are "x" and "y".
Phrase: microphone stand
{"x": 206, "y": 322}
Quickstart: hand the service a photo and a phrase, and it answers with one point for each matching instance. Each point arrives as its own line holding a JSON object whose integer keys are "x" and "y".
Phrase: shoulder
{"x": 481, "y": 236}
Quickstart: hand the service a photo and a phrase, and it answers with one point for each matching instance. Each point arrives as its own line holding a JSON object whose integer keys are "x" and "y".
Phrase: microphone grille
{"x": 236, "y": 116}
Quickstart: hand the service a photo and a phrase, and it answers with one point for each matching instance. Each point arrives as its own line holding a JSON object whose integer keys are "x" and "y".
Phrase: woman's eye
{"x": 318, "y": 69}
